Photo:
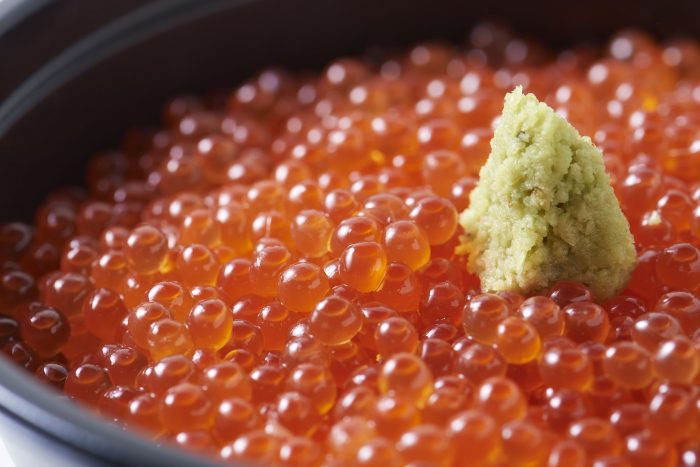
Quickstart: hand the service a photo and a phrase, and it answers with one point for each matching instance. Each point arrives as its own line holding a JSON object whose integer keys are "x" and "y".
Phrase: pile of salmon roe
{"x": 270, "y": 277}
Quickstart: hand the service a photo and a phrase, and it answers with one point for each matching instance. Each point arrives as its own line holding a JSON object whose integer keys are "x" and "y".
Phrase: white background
{"x": 5, "y": 460}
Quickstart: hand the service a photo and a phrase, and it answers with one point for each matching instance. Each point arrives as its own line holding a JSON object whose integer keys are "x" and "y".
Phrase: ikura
{"x": 272, "y": 278}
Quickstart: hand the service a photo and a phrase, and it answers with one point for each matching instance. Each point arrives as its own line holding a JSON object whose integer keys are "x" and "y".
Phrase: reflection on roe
{"x": 271, "y": 275}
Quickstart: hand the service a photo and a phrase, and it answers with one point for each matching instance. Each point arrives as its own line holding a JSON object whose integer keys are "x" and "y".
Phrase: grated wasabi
{"x": 544, "y": 210}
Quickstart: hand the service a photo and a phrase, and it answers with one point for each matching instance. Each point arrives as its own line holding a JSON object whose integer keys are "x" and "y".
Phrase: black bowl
{"x": 75, "y": 75}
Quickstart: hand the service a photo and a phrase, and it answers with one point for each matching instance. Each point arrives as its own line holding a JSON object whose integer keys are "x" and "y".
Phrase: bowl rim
{"x": 37, "y": 406}
{"x": 13, "y": 12}
{"x": 44, "y": 411}
{"x": 142, "y": 23}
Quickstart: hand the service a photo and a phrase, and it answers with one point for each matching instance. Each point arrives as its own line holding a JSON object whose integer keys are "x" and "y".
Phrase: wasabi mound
{"x": 544, "y": 210}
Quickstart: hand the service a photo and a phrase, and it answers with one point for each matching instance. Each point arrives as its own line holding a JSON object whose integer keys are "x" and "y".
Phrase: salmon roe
{"x": 270, "y": 277}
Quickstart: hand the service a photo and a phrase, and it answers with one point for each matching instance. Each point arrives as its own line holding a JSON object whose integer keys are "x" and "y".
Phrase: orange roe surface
{"x": 270, "y": 276}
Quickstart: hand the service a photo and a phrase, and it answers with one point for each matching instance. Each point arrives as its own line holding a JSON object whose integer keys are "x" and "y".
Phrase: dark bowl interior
{"x": 83, "y": 72}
